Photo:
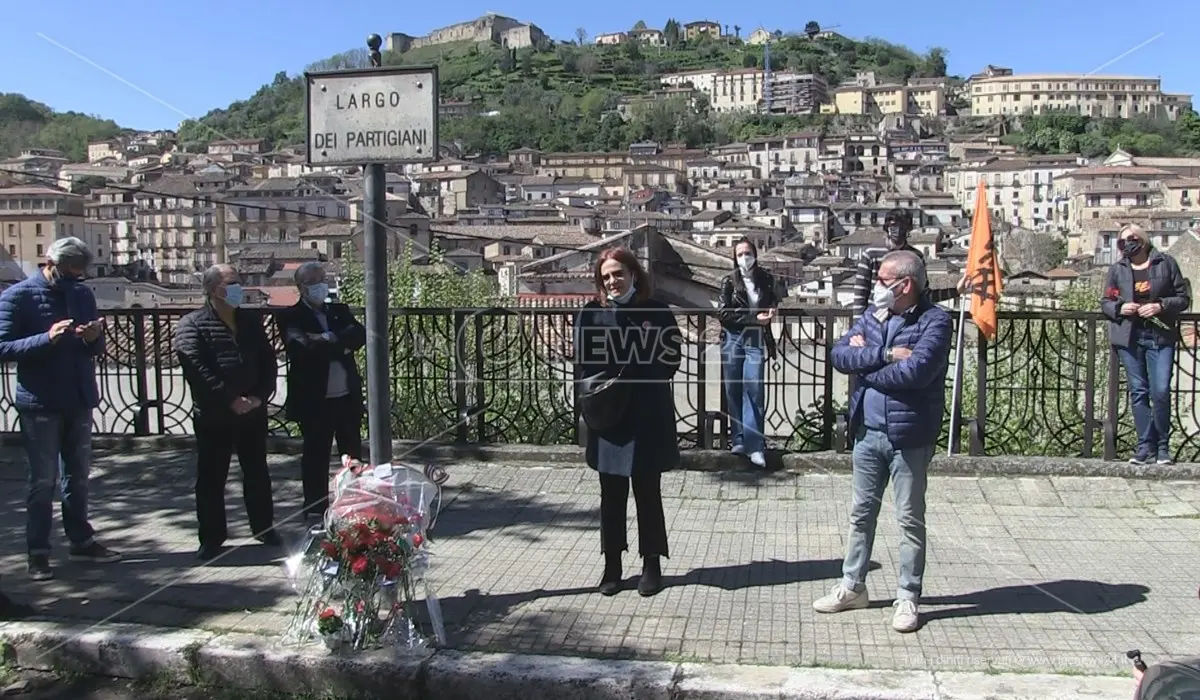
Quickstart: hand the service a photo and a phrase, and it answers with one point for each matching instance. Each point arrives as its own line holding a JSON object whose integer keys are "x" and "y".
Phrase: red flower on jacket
{"x": 1113, "y": 293}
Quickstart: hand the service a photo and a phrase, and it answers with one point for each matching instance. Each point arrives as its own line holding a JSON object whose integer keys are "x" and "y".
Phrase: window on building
{"x": 12, "y": 250}
{"x": 37, "y": 230}
{"x": 40, "y": 250}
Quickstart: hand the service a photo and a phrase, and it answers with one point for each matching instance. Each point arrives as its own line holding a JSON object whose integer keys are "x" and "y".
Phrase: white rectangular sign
{"x": 380, "y": 115}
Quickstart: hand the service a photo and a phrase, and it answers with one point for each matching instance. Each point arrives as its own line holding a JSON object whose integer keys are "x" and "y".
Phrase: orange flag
{"x": 983, "y": 267}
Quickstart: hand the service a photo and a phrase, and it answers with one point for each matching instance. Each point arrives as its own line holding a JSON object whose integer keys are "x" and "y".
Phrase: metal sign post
{"x": 374, "y": 117}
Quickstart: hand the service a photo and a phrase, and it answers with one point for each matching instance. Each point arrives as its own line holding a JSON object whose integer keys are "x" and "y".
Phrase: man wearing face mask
{"x": 50, "y": 327}
{"x": 324, "y": 387}
{"x": 897, "y": 226}
{"x": 230, "y": 366}
{"x": 899, "y": 352}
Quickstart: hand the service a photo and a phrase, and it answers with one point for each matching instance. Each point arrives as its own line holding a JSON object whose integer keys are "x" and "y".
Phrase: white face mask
{"x": 745, "y": 262}
{"x": 884, "y": 298}
{"x": 624, "y": 298}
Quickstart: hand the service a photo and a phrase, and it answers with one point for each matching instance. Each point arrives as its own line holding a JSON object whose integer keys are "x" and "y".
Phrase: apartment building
{"x": 278, "y": 210}
{"x": 1093, "y": 197}
{"x": 177, "y": 226}
{"x": 1021, "y": 190}
{"x": 32, "y": 217}
{"x": 866, "y": 95}
{"x": 742, "y": 90}
{"x": 999, "y": 91}
{"x": 112, "y": 210}
{"x": 443, "y": 194}
{"x": 693, "y": 30}
{"x": 103, "y": 150}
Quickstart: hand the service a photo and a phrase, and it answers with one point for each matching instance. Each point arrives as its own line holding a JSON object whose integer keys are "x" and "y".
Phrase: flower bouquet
{"x": 358, "y": 575}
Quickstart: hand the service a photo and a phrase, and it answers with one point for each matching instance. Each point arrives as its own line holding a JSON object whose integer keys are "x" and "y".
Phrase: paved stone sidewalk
{"x": 1049, "y": 574}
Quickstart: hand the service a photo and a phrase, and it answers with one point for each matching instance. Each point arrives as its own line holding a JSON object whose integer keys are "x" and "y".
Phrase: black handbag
{"x": 603, "y": 400}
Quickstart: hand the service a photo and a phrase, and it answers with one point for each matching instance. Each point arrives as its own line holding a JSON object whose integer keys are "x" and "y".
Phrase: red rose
{"x": 327, "y": 613}
{"x": 417, "y": 540}
{"x": 359, "y": 565}
{"x": 1113, "y": 293}
{"x": 329, "y": 548}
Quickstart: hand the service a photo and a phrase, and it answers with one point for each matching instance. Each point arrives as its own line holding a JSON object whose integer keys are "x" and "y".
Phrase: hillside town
{"x": 157, "y": 213}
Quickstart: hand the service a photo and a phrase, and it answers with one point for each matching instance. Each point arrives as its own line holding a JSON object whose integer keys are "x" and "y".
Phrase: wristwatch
{"x": 887, "y": 355}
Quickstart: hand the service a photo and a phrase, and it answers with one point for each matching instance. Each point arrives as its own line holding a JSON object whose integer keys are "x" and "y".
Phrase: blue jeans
{"x": 743, "y": 360}
{"x": 58, "y": 446}
{"x": 1148, "y": 368}
{"x": 875, "y": 461}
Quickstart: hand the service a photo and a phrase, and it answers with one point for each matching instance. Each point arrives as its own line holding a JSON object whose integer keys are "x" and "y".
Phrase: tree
{"x": 639, "y": 26}
{"x": 581, "y": 36}
{"x": 737, "y": 31}
{"x": 434, "y": 349}
{"x": 811, "y": 29}
{"x": 935, "y": 62}
{"x": 671, "y": 34}
{"x": 1033, "y": 251}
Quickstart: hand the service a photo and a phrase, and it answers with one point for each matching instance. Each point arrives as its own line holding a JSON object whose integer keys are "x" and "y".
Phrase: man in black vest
{"x": 324, "y": 388}
{"x": 230, "y": 365}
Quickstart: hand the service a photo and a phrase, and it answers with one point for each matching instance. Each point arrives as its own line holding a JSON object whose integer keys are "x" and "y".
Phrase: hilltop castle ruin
{"x": 498, "y": 29}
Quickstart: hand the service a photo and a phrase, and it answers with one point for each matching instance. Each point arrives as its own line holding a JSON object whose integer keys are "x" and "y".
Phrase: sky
{"x": 150, "y": 65}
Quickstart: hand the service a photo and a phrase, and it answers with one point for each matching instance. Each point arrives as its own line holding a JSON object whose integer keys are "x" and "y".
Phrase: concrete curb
{"x": 570, "y": 456}
{"x": 249, "y": 662}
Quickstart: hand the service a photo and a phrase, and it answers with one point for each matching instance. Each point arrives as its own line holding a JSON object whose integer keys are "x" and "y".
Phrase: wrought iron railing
{"x": 1051, "y": 384}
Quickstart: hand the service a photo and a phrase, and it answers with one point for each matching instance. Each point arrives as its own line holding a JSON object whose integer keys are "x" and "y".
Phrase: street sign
{"x": 378, "y": 115}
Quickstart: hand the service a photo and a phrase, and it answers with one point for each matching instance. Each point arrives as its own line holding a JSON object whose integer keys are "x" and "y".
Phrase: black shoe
{"x": 651, "y": 582}
{"x": 39, "y": 567}
{"x": 1139, "y": 460}
{"x": 94, "y": 553}
{"x": 12, "y": 610}
{"x": 208, "y": 551}
{"x": 610, "y": 582}
{"x": 270, "y": 538}
{"x": 1165, "y": 461}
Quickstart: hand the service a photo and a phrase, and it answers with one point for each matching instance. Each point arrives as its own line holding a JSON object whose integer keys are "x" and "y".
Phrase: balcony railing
{"x": 1050, "y": 382}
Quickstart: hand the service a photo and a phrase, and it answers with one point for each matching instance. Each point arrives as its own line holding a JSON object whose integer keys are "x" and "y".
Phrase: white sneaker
{"x": 841, "y": 599}
{"x": 905, "y": 618}
{"x": 758, "y": 459}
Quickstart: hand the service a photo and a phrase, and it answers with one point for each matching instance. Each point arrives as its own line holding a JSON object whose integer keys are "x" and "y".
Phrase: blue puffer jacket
{"x": 50, "y": 376}
{"x": 915, "y": 388}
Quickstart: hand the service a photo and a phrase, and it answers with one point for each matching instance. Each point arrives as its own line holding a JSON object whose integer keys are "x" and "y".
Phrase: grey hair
{"x": 70, "y": 251}
{"x": 303, "y": 271}
{"x": 212, "y": 277}
{"x": 906, "y": 263}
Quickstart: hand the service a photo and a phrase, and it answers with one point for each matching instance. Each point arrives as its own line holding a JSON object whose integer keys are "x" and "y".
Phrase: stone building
{"x": 498, "y": 29}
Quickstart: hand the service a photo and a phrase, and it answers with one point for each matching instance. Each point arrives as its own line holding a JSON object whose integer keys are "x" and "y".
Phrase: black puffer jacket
{"x": 220, "y": 367}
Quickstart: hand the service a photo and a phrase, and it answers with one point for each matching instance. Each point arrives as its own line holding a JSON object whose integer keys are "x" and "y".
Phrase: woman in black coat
{"x": 1144, "y": 294}
{"x": 629, "y": 336}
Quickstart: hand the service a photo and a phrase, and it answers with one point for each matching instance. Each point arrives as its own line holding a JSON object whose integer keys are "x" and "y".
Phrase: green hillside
{"x": 562, "y": 97}
{"x": 27, "y": 124}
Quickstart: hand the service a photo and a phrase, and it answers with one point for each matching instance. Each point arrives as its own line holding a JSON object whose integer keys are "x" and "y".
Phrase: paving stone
{"x": 1029, "y": 573}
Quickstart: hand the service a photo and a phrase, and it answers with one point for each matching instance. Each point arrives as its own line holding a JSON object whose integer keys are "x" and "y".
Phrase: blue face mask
{"x": 317, "y": 293}
{"x": 624, "y": 298}
{"x": 233, "y": 295}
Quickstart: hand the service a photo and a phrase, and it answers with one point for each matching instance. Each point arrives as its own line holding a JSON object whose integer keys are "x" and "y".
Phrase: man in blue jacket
{"x": 899, "y": 351}
{"x": 50, "y": 327}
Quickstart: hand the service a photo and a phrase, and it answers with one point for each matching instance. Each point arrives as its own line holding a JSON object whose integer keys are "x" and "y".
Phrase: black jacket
{"x": 309, "y": 359}
{"x": 1167, "y": 287}
{"x": 220, "y": 367}
{"x": 736, "y": 313}
{"x": 644, "y": 340}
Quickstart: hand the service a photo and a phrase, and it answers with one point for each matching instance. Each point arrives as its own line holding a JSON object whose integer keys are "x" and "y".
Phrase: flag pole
{"x": 957, "y": 389}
